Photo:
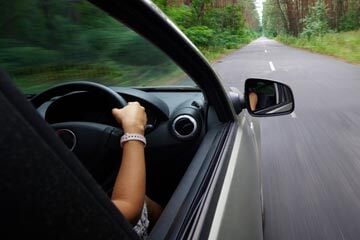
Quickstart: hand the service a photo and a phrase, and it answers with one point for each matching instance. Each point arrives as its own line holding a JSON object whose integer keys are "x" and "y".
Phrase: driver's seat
{"x": 45, "y": 192}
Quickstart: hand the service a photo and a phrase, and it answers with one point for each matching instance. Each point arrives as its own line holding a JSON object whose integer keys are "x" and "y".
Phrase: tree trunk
{"x": 283, "y": 16}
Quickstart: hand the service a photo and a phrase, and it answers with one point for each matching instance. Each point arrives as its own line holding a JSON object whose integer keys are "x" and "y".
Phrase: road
{"x": 310, "y": 159}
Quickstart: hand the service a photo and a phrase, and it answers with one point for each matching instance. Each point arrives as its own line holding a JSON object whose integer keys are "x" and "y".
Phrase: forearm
{"x": 129, "y": 190}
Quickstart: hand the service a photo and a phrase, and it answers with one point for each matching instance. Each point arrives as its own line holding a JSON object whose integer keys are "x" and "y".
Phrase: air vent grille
{"x": 184, "y": 126}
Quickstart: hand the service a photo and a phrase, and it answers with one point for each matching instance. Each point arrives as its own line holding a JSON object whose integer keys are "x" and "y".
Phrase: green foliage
{"x": 199, "y": 35}
{"x": 183, "y": 16}
{"x": 316, "y": 23}
{"x": 42, "y": 44}
{"x": 273, "y": 24}
{"x": 225, "y": 19}
{"x": 160, "y": 3}
{"x": 345, "y": 45}
{"x": 229, "y": 40}
{"x": 199, "y": 8}
{"x": 28, "y": 56}
{"x": 213, "y": 29}
{"x": 351, "y": 20}
{"x": 321, "y": 16}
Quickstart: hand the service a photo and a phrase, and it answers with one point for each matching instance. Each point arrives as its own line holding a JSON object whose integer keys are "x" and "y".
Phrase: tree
{"x": 316, "y": 23}
{"x": 274, "y": 20}
{"x": 351, "y": 19}
{"x": 310, "y": 16}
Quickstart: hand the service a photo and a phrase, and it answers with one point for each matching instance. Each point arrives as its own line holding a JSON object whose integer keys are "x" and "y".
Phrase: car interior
{"x": 60, "y": 147}
{"x": 178, "y": 123}
{"x": 174, "y": 130}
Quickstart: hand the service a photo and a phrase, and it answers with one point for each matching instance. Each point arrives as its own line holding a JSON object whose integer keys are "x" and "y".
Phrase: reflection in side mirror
{"x": 268, "y": 98}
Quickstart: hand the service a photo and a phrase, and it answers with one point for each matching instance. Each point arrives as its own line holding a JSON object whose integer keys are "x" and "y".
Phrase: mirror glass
{"x": 268, "y": 98}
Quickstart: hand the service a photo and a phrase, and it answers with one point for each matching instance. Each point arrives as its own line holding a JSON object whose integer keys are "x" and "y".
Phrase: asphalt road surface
{"x": 310, "y": 159}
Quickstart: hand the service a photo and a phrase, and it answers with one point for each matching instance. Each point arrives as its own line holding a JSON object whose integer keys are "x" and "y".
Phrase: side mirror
{"x": 266, "y": 98}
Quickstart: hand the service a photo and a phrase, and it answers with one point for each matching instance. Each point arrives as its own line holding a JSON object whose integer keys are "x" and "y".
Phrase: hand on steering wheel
{"x": 96, "y": 145}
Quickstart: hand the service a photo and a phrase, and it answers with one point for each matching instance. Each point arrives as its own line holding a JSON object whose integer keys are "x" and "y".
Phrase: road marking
{"x": 272, "y": 66}
{"x": 265, "y": 51}
{"x": 293, "y": 115}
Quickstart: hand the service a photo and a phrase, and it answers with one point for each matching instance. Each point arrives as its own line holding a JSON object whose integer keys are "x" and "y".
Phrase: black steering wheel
{"x": 65, "y": 88}
{"x": 96, "y": 145}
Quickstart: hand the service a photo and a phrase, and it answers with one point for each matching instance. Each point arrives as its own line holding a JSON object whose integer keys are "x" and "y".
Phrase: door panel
{"x": 238, "y": 213}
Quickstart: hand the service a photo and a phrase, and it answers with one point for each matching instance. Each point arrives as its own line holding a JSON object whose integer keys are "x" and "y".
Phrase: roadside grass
{"x": 344, "y": 45}
{"x": 213, "y": 54}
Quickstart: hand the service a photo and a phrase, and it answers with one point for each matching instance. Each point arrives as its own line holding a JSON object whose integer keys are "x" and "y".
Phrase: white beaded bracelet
{"x": 132, "y": 137}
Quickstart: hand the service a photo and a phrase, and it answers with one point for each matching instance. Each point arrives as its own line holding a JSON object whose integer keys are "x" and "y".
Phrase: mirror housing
{"x": 237, "y": 99}
{"x": 265, "y": 98}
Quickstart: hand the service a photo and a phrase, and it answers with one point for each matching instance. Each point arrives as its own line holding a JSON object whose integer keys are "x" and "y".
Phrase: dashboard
{"x": 176, "y": 125}
{"x": 161, "y": 106}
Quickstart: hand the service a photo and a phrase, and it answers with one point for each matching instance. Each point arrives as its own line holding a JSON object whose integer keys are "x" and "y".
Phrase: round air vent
{"x": 184, "y": 126}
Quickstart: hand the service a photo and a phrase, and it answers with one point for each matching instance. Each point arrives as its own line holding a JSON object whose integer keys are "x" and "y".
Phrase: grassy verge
{"x": 213, "y": 54}
{"x": 344, "y": 45}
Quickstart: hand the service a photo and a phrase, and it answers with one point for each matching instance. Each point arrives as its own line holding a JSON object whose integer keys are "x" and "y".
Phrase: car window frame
{"x": 145, "y": 18}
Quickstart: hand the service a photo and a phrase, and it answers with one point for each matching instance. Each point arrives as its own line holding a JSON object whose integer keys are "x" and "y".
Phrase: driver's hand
{"x": 132, "y": 118}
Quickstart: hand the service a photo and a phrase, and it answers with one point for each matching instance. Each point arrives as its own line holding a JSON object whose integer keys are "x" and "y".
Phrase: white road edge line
{"x": 293, "y": 115}
{"x": 272, "y": 66}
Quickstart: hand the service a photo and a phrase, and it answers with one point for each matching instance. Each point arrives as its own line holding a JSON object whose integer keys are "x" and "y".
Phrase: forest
{"x": 214, "y": 25}
{"x": 310, "y": 17}
{"x": 326, "y": 26}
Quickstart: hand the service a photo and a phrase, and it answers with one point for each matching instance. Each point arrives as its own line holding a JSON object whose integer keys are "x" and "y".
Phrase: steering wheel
{"x": 96, "y": 145}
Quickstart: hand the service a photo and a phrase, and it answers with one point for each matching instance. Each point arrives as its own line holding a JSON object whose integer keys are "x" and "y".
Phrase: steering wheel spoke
{"x": 96, "y": 145}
